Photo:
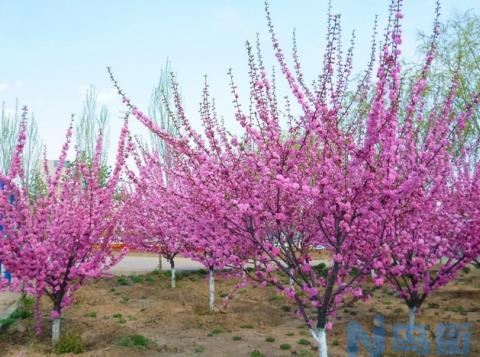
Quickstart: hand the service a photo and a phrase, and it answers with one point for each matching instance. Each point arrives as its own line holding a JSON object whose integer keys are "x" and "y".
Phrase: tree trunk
{"x": 55, "y": 331}
{"x": 172, "y": 274}
{"x": 320, "y": 335}
{"x": 160, "y": 266}
{"x": 211, "y": 285}
{"x": 411, "y": 320}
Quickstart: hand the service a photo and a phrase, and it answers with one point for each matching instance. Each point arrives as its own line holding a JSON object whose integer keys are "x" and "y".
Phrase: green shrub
{"x": 247, "y": 326}
{"x": 20, "y": 314}
{"x": 216, "y": 331}
{"x": 257, "y": 353}
{"x": 236, "y": 338}
{"x": 136, "y": 279}
{"x": 150, "y": 279}
{"x": 69, "y": 343}
{"x": 122, "y": 281}
{"x": 303, "y": 342}
{"x": 134, "y": 341}
{"x": 321, "y": 269}
{"x": 285, "y": 346}
{"x": 270, "y": 339}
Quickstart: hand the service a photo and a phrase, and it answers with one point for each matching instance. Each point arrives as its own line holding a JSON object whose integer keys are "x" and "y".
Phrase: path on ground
{"x": 138, "y": 263}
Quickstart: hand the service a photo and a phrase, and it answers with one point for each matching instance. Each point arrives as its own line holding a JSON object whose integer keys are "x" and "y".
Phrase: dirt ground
{"x": 177, "y": 321}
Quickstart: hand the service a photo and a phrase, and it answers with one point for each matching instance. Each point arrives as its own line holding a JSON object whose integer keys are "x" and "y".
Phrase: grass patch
{"x": 199, "y": 349}
{"x": 250, "y": 326}
{"x": 27, "y": 300}
{"x": 91, "y": 314}
{"x": 122, "y": 281}
{"x": 460, "y": 309}
{"x": 433, "y": 305}
{"x": 285, "y": 346}
{"x": 304, "y": 342}
{"x": 135, "y": 279}
{"x": 335, "y": 343}
{"x": 257, "y": 353}
{"x": 69, "y": 343}
{"x": 270, "y": 339}
{"x": 236, "y": 338}
{"x": 216, "y": 331}
{"x": 275, "y": 297}
{"x": 18, "y": 314}
{"x": 150, "y": 279}
{"x": 139, "y": 341}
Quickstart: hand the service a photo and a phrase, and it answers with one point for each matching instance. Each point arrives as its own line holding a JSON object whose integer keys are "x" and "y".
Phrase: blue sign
{"x": 6, "y": 274}
{"x": 450, "y": 339}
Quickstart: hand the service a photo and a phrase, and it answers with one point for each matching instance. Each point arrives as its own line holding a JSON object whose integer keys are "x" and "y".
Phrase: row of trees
{"x": 383, "y": 175}
{"x": 58, "y": 228}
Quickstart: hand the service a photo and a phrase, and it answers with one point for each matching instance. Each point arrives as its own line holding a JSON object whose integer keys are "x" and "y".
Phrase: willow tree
{"x": 458, "y": 55}
{"x": 9, "y": 130}
{"x": 93, "y": 120}
{"x": 159, "y": 110}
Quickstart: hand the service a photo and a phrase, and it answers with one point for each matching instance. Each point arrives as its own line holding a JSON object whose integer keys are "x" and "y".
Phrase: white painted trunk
{"x": 211, "y": 287}
{"x": 290, "y": 281}
{"x": 160, "y": 265}
{"x": 173, "y": 278}
{"x": 55, "y": 331}
{"x": 372, "y": 274}
{"x": 320, "y": 335}
{"x": 412, "y": 311}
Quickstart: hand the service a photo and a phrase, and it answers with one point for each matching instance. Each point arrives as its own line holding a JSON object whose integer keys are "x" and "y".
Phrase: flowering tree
{"x": 57, "y": 242}
{"x": 433, "y": 205}
{"x": 147, "y": 197}
{"x": 331, "y": 178}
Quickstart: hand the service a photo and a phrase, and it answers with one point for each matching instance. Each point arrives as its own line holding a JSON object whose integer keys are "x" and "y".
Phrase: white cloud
{"x": 106, "y": 95}
{"x": 103, "y": 95}
{"x": 19, "y": 84}
{"x": 3, "y": 85}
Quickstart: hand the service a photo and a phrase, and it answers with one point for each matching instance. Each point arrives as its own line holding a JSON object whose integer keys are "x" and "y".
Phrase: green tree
{"x": 458, "y": 55}
{"x": 9, "y": 129}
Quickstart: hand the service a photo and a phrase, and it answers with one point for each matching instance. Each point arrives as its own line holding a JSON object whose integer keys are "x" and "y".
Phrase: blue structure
{"x": 3, "y": 272}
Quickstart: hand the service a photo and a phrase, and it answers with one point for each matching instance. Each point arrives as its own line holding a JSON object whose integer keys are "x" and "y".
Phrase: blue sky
{"x": 53, "y": 49}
